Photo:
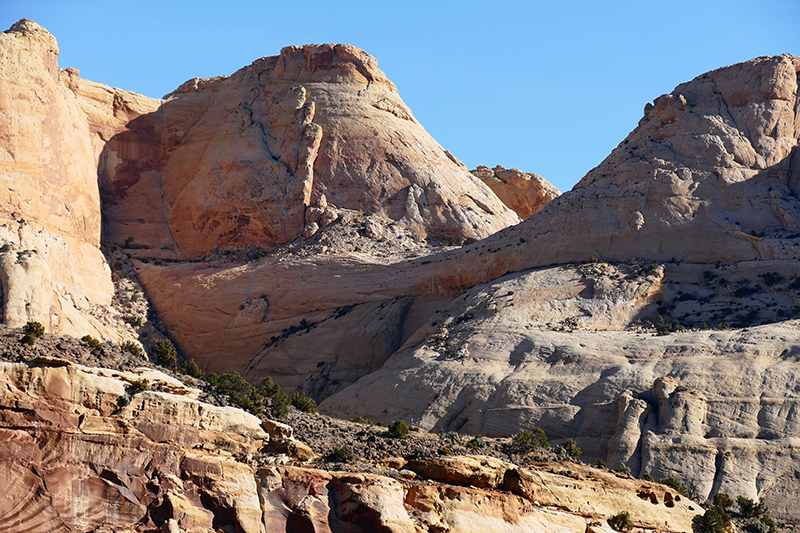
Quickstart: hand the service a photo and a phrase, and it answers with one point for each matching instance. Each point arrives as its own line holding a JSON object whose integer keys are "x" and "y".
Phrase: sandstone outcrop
{"x": 82, "y": 450}
{"x": 271, "y": 152}
{"x": 52, "y": 133}
{"x": 525, "y": 193}
{"x": 566, "y": 349}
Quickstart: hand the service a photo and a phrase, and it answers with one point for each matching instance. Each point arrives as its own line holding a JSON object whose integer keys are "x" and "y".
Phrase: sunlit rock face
{"x": 252, "y": 158}
{"x": 53, "y": 129}
{"x": 523, "y": 192}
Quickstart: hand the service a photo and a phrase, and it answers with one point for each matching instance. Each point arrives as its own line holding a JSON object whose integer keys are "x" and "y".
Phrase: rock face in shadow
{"x": 252, "y": 158}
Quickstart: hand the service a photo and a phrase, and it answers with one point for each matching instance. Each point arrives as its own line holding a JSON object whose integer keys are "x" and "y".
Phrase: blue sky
{"x": 547, "y": 87}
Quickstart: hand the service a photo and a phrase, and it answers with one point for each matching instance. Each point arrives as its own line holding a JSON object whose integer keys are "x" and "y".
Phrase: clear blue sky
{"x": 547, "y": 87}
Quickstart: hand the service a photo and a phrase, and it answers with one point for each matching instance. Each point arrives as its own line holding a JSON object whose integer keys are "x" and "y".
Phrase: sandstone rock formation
{"x": 81, "y": 451}
{"x": 552, "y": 348}
{"x": 525, "y": 193}
{"x": 53, "y": 131}
{"x": 256, "y": 157}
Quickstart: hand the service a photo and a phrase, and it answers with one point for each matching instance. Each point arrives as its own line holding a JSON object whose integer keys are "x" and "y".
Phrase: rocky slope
{"x": 294, "y": 220}
{"x": 85, "y": 450}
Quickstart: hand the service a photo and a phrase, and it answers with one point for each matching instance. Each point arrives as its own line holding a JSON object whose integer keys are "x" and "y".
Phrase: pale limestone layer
{"x": 548, "y": 348}
{"x": 244, "y": 160}
{"x": 525, "y": 193}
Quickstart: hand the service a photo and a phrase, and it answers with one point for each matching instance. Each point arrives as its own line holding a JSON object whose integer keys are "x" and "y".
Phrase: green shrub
{"x": 571, "y": 448}
{"x": 133, "y": 321}
{"x": 190, "y": 368}
{"x": 237, "y": 389}
{"x": 133, "y": 349}
{"x": 712, "y": 521}
{"x": 476, "y": 443}
{"x": 137, "y": 386}
{"x": 751, "y": 509}
{"x": 398, "y": 429}
{"x": 648, "y": 477}
{"x": 341, "y": 455}
{"x": 166, "y": 354}
{"x": 303, "y": 403}
{"x": 90, "y": 341}
{"x": 33, "y": 329}
{"x": 526, "y": 441}
{"x": 27, "y": 339}
{"x": 601, "y": 464}
{"x": 268, "y": 388}
{"x": 622, "y": 469}
{"x": 451, "y": 436}
{"x": 765, "y": 524}
{"x": 361, "y": 420}
{"x": 279, "y": 406}
{"x": 621, "y": 521}
{"x": 723, "y": 502}
{"x": 675, "y": 484}
{"x": 380, "y": 424}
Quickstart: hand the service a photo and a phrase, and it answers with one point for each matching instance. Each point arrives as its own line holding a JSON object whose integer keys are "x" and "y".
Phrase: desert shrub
{"x": 137, "y": 386}
{"x": 27, "y": 339}
{"x": 722, "y": 501}
{"x": 133, "y": 321}
{"x": 601, "y": 464}
{"x": 621, "y": 521}
{"x": 268, "y": 388}
{"x": 90, "y": 341}
{"x": 712, "y": 521}
{"x": 476, "y": 443}
{"x": 33, "y": 329}
{"x": 622, "y": 469}
{"x": 675, "y": 484}
{"x": 133, "y": 349}
{"x": 341, "y": 455}
{"x": 279, "y": 405}
{"x": 301, "y": 402}
{"x": 237, "y": 389}
{"x": 451, "y": 436}
{"x": 571, "y": 448}
{"x": 380, "y": 424}
{"x": 765, "y": 524}
{"x": 361, "y": 420}
{"x": 751, "y": 509}
{"x": 166, "y": 354}
{"x": 526, "y": 441}
{"x": 190, "y": 368}
{"x": 648, "y": 477}
{"x": 398, "y": 429}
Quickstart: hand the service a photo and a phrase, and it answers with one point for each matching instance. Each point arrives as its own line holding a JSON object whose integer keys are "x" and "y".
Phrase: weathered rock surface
{"x": 525, "y": 193}
{"x": 256, "y": 157}
{"x": 75, "y": 457}
{"x": 669, "y": 204}
{"x": 52, "y": 132}
{"x": 553, "y": 348}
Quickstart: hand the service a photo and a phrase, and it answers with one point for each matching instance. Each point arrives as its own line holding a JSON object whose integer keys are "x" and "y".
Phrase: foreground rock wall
{"x": 74, "y": 457}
